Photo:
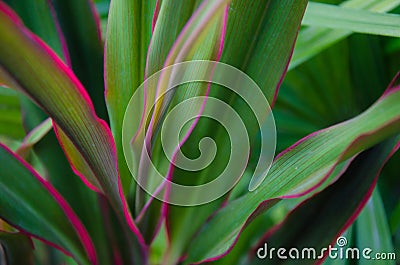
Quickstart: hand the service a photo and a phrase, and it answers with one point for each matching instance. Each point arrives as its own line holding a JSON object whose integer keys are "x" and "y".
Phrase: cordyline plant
{"x": 68, "y": 195}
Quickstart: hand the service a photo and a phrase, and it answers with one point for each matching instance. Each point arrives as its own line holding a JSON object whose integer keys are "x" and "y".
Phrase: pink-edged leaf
{"x": 128, "y": 35}
{"x": 28, "y": 65}
{"x": 15, "y": 249}
{"x": 31, "y": 204}
{"x": 299, "y": 170}
{"x": 32, "y": 60}
{"x": 80, "y": 26}
{"x": 259, "y": 39}
{"x": 315, "y": 222}
{"x": 34, "y": 136}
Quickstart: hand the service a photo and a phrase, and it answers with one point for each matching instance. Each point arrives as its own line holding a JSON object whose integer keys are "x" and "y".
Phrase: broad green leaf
{"x": 315, "y": 222}
{"x": 264, "y": 58}
{"x": 313, "y": 40}
{"x": 80, "y": 26}
{"x": 87, "y": 137}
{"x": 33, "y": 205}
{"x": 337, "y": 17}
{"x": 372, "y": 229}
{"x": 299, "y": 170}
{"x": 128, "y": 35}
{"x": 15, "y": 249}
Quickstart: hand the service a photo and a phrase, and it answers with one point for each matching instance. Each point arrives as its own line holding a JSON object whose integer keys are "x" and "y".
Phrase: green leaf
{"x": 349, "y": 236}
{"x": 15, "y": 249}
{"x": 38, "y": 16}
{"x": 204, "y": 23}
{"x": 65, "y": 100}
{"x": 395, "y": 219}
{"x": 85, "y": 138}
{"x": 315, "y": 222}
{"x": 313, "y": 40}
{"x": 80, "y": 26}
{"x": 264, "y": 58}
{"x": 32, "y": 204}
{"x": 310, "y": 100}
{"x": 128, "y": 35}
{"x": 34, "y": 136}
{"x": 83, "y": 201}
{"x": 336, "y": 17}
{"x": 372, "y": 229}
{"x": 299, "y": 170}
{"x": 200, "y": 39}
{"x": 10, "y": 114}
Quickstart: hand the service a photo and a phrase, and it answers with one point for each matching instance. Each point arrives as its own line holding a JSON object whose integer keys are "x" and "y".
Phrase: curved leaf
{"x": 80, "y": 25}
{"x": 33, "y": 205}
{"x": 15, "y": 249}
{"x": 28, "y": 65}
{"x": 299, "y": 170}
{"x": 336, "y": 17}
{"x": 372, "y": 229}
{"x": 34, "y": 136}
{"x": 10, "y": 114}
{"x": 259, "y": 39}
{"x": 84, "y": 202}
{"x": 128, "y": 35}
{"x": 90, "y": 134}
{"x": 315, "y": 222}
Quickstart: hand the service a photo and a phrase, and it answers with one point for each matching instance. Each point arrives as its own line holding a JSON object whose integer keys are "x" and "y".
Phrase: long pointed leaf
{"x": 260, "y": 36}
{"x": 313, "y": 40}
{"x": 15, "y": 249}
{"x": 300, "y": 169}
{"x": 83, "y": 201}
{"x": 315, "y": 223}
{"x": 66, "y": 101}
{"x": 128, "y": 34}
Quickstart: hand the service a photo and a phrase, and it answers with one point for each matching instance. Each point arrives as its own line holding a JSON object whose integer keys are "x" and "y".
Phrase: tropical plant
{"x": 71, "y": 77}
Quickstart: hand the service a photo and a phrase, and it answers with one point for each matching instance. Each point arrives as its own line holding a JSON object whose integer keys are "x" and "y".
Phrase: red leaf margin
{"x": 74, "y": 220}
{"x": 270, "y": 202}
{"x": 102, "y": 124}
